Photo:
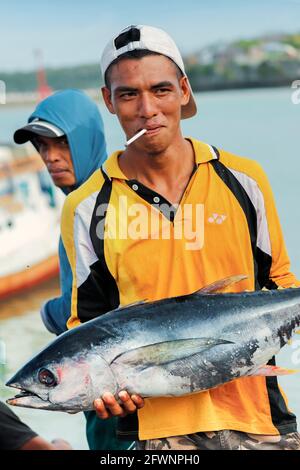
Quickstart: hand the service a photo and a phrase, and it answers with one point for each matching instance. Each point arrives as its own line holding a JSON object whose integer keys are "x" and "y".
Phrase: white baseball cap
{"x": 37, "y": 127}
{"x": 149, "y": 38}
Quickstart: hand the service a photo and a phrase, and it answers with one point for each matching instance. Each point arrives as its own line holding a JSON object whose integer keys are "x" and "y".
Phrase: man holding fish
{"x": 164, "y": 218}
{"x": 147, "y": 88}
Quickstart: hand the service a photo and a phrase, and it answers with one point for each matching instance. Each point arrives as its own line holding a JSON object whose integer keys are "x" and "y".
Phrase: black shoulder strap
{"x": 246, "y": 204}
{"x": 101, "y": 275}
{"x": 262, "y": 260}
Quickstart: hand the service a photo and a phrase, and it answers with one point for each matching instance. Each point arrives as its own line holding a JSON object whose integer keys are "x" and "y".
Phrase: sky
{"x": 71, "y": 32}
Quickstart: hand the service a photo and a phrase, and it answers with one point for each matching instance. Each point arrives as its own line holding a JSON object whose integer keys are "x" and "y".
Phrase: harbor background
{"x": 232, "y": 44}
{"x": 260, "y": 124}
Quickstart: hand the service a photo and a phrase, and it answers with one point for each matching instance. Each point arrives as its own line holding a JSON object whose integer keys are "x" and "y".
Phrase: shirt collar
{"x": 111, "y": 166}
{"x": 203, "y": 154}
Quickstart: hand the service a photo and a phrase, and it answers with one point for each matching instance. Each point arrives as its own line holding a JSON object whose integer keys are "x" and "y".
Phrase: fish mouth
{"x": 25, "y": 393}
{"x": 28, "y": 399}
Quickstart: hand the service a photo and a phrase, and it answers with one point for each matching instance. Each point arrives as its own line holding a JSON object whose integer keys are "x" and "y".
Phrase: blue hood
{"x": 78, "y": 116}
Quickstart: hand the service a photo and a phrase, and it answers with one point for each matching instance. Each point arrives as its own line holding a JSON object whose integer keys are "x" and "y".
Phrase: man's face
{"x": 56, "y": 155}
{"x": 147, "y": 93}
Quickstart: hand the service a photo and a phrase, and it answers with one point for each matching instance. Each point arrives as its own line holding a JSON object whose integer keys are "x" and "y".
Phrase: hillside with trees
{"x": 272, "y": 60}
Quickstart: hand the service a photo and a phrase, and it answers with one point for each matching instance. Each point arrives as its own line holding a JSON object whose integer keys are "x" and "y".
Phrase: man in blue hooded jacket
{"x": 70, "y": 116}
{"x": 67, "y": 130}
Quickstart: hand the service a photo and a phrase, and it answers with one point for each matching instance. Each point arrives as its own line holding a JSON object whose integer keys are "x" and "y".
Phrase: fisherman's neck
{"x": 165, "y": 169}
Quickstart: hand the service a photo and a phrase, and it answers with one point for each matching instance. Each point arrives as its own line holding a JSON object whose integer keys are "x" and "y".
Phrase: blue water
{"x": 259, "y": 124}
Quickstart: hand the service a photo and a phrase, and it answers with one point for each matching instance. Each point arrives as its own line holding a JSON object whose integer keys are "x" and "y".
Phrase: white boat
{"x": 30, "y": 208}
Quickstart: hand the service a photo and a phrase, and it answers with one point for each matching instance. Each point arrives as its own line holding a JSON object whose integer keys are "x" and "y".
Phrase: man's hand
{"x": 107, "y": 406}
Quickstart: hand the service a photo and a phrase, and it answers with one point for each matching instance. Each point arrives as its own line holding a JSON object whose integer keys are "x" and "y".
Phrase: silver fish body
{"x": 169, "y": 347}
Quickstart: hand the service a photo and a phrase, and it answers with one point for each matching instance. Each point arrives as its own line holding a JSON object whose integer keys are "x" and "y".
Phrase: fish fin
{"x": 220, "y": 285}
{"x": 271, "y": 371}
{"x": 138, "y": 302}
{"x": 165, "y": 352}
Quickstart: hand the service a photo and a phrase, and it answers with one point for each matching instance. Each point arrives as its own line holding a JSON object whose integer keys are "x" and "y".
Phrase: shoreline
{"x": 30, "y": 98}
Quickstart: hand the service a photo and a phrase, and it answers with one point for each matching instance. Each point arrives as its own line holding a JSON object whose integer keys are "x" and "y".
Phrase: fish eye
{"x": 46, "y": 377}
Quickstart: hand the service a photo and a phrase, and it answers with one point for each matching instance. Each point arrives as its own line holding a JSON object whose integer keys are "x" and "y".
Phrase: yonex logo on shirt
{"x": 217, "y": 219}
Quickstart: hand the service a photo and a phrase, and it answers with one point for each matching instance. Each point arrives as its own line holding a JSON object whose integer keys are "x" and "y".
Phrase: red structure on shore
{"x": 44, "y": 89}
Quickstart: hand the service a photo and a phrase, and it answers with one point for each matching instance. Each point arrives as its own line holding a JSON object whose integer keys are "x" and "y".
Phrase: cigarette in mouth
{"x": 136, "y": 136}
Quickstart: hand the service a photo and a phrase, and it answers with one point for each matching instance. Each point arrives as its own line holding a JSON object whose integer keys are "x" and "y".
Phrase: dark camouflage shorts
{"x": 223, "y": 440}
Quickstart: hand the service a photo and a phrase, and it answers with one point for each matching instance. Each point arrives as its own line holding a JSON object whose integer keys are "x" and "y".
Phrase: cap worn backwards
{"x": 141, "y": 37}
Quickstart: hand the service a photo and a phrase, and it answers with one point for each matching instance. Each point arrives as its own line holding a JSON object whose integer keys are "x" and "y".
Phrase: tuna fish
{"x": 169, "y": 347}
